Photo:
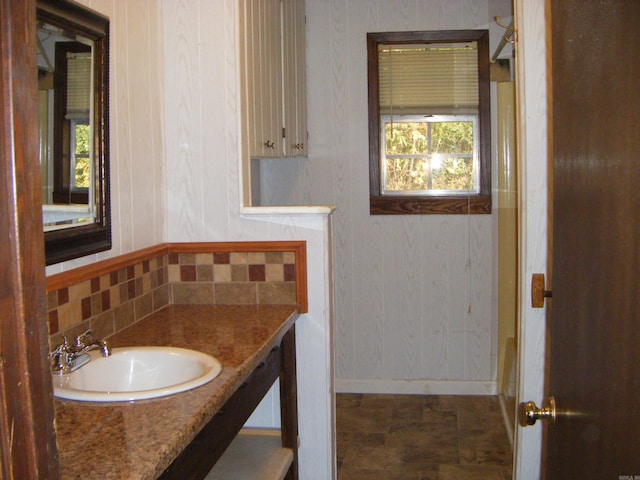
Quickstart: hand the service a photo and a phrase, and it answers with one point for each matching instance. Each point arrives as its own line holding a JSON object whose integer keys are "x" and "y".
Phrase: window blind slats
{"x": 78, "y": 85}
{"x": 437, "y": 80}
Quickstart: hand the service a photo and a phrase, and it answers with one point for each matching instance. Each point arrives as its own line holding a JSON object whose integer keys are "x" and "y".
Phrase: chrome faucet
{"x": 67, "y": 358}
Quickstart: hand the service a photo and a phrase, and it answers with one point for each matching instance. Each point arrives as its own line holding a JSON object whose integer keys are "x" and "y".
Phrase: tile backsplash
{"x": 114, "y": 299}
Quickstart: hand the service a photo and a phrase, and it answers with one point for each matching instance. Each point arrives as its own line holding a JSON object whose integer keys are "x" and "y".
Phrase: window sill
{"x": 444, "y": 205}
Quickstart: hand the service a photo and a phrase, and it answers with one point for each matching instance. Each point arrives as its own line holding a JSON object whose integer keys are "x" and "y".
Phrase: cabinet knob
{"x": 299, "y": 146}
{"x": 269, "y": 144}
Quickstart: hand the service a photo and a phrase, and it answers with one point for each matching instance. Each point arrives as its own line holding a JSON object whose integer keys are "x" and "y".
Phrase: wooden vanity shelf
{"x": 200, "y": 460}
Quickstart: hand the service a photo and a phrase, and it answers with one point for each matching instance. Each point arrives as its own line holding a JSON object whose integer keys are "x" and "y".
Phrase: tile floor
{"x": 421, "y": 437}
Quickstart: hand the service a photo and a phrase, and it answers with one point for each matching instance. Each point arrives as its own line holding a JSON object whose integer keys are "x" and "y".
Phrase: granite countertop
{"x": 139, "y": 440}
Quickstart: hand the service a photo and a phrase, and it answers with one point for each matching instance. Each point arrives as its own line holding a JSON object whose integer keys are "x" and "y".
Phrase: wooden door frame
{"x": 27, "y": 435}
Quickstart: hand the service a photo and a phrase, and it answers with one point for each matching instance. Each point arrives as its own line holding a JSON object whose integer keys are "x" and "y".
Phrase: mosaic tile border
{"x": 228, "y": 278}
{"x": 111, "y": 295}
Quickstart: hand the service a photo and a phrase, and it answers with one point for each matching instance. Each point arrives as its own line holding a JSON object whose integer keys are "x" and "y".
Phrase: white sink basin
{"x": 136, "y": 373}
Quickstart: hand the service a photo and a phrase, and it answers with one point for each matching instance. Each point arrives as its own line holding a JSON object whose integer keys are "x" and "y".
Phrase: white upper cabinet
{"x": 272, "y": 62}
{"x": 294, "y": 77}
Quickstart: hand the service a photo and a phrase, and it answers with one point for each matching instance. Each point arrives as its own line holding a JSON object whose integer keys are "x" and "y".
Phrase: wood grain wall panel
{"x": 184, "y": 101}
{"x": 229, "y": 137}
{"x": 216, "y": 111}
{"x": 142, "y": 182}
{"x": 459, "y": 300}
{"x": 482, "y": 324}
{"x": 340, "y": 168}
{"x": 409, "y": 265}
{"x": 366, "y": 269}
{"x": 436, "y": 298}
{"x": 119, "y": 129}
{"x": 458, "y": 13}
{"x": 403, "y": 286}
{"x": 156, "y": 112}
{"x": 367, "y": 327}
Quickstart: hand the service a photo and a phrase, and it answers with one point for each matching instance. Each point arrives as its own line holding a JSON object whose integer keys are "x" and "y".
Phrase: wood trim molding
{"x": 87, "y": 272}
{"x": 77, "y": 275}
{"x": 27, "y": 435}
{"x": 407, "y": 205}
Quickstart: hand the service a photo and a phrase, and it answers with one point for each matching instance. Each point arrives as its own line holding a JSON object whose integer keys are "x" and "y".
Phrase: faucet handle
{"x": 60, "y": 356}
{"x": 79, "y": 341}
{"x": 62, "y": 348}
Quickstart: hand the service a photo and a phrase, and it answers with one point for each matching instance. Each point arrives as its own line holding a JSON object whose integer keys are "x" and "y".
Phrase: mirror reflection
{"x": 73, "y": 96}
{"x": 65, "y": 97}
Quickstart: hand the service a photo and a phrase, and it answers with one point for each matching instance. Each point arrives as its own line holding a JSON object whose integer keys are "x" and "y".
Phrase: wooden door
{"x": 594, "y": 354}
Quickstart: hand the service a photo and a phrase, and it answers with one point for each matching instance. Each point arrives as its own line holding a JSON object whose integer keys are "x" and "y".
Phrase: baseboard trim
{"x": 417, "y": 387}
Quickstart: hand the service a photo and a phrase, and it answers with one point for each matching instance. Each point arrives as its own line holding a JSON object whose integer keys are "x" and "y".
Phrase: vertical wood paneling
{"x": 459, "y": 300}
{"x": 183, "y": 101}
{"x": 436, "y": 298}
{"x": 215, "y": 65}
{"x": 340, "y": 171}
{"x": 366, "y": 269}
{"x": 403, "y": 286}
{"x": 141, "y": 181}
{"x": 120, "y": 118}
{"x": 431, "y": 15}
{"x": 367, "y": 343}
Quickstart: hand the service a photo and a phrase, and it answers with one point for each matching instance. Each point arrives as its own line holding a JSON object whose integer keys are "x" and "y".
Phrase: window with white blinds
{"x": 78, "y": 85}
{"x": 429, "y": 122}
{"x": 439, "y": 79}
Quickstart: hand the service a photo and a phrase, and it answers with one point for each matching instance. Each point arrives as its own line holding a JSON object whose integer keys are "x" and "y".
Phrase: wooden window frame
{"x": 478, "y": 203}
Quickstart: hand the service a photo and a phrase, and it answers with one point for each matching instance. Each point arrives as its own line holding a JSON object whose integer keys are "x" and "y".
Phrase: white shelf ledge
{"x": 255, "y": 454}
{"x": 292, "y": 210}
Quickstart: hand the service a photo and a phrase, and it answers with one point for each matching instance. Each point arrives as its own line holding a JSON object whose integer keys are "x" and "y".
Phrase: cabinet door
{"x": 261, "y": 60}
{"x": 294, "y": 77}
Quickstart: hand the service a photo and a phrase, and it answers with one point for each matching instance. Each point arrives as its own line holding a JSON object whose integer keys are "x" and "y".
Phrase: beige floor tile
{"x": 421, "y": 437}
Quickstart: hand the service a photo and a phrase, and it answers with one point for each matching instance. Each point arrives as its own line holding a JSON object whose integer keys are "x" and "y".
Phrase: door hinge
{"x": 538, "y": 292}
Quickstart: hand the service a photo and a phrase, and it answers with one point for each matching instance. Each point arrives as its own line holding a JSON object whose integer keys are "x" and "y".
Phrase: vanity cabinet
{"x": 197, "y": 459}
{"x": 273, "y": 80}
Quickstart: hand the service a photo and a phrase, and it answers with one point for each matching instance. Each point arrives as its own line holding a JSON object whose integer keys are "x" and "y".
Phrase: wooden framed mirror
{"x": 73, "y": 114}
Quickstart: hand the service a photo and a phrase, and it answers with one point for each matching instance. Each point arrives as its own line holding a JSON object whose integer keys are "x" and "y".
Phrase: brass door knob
{"x": 529, "y": 412}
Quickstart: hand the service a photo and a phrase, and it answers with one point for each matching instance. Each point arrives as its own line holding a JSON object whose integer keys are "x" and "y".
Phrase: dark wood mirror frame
{"x": 77, "y": 241}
